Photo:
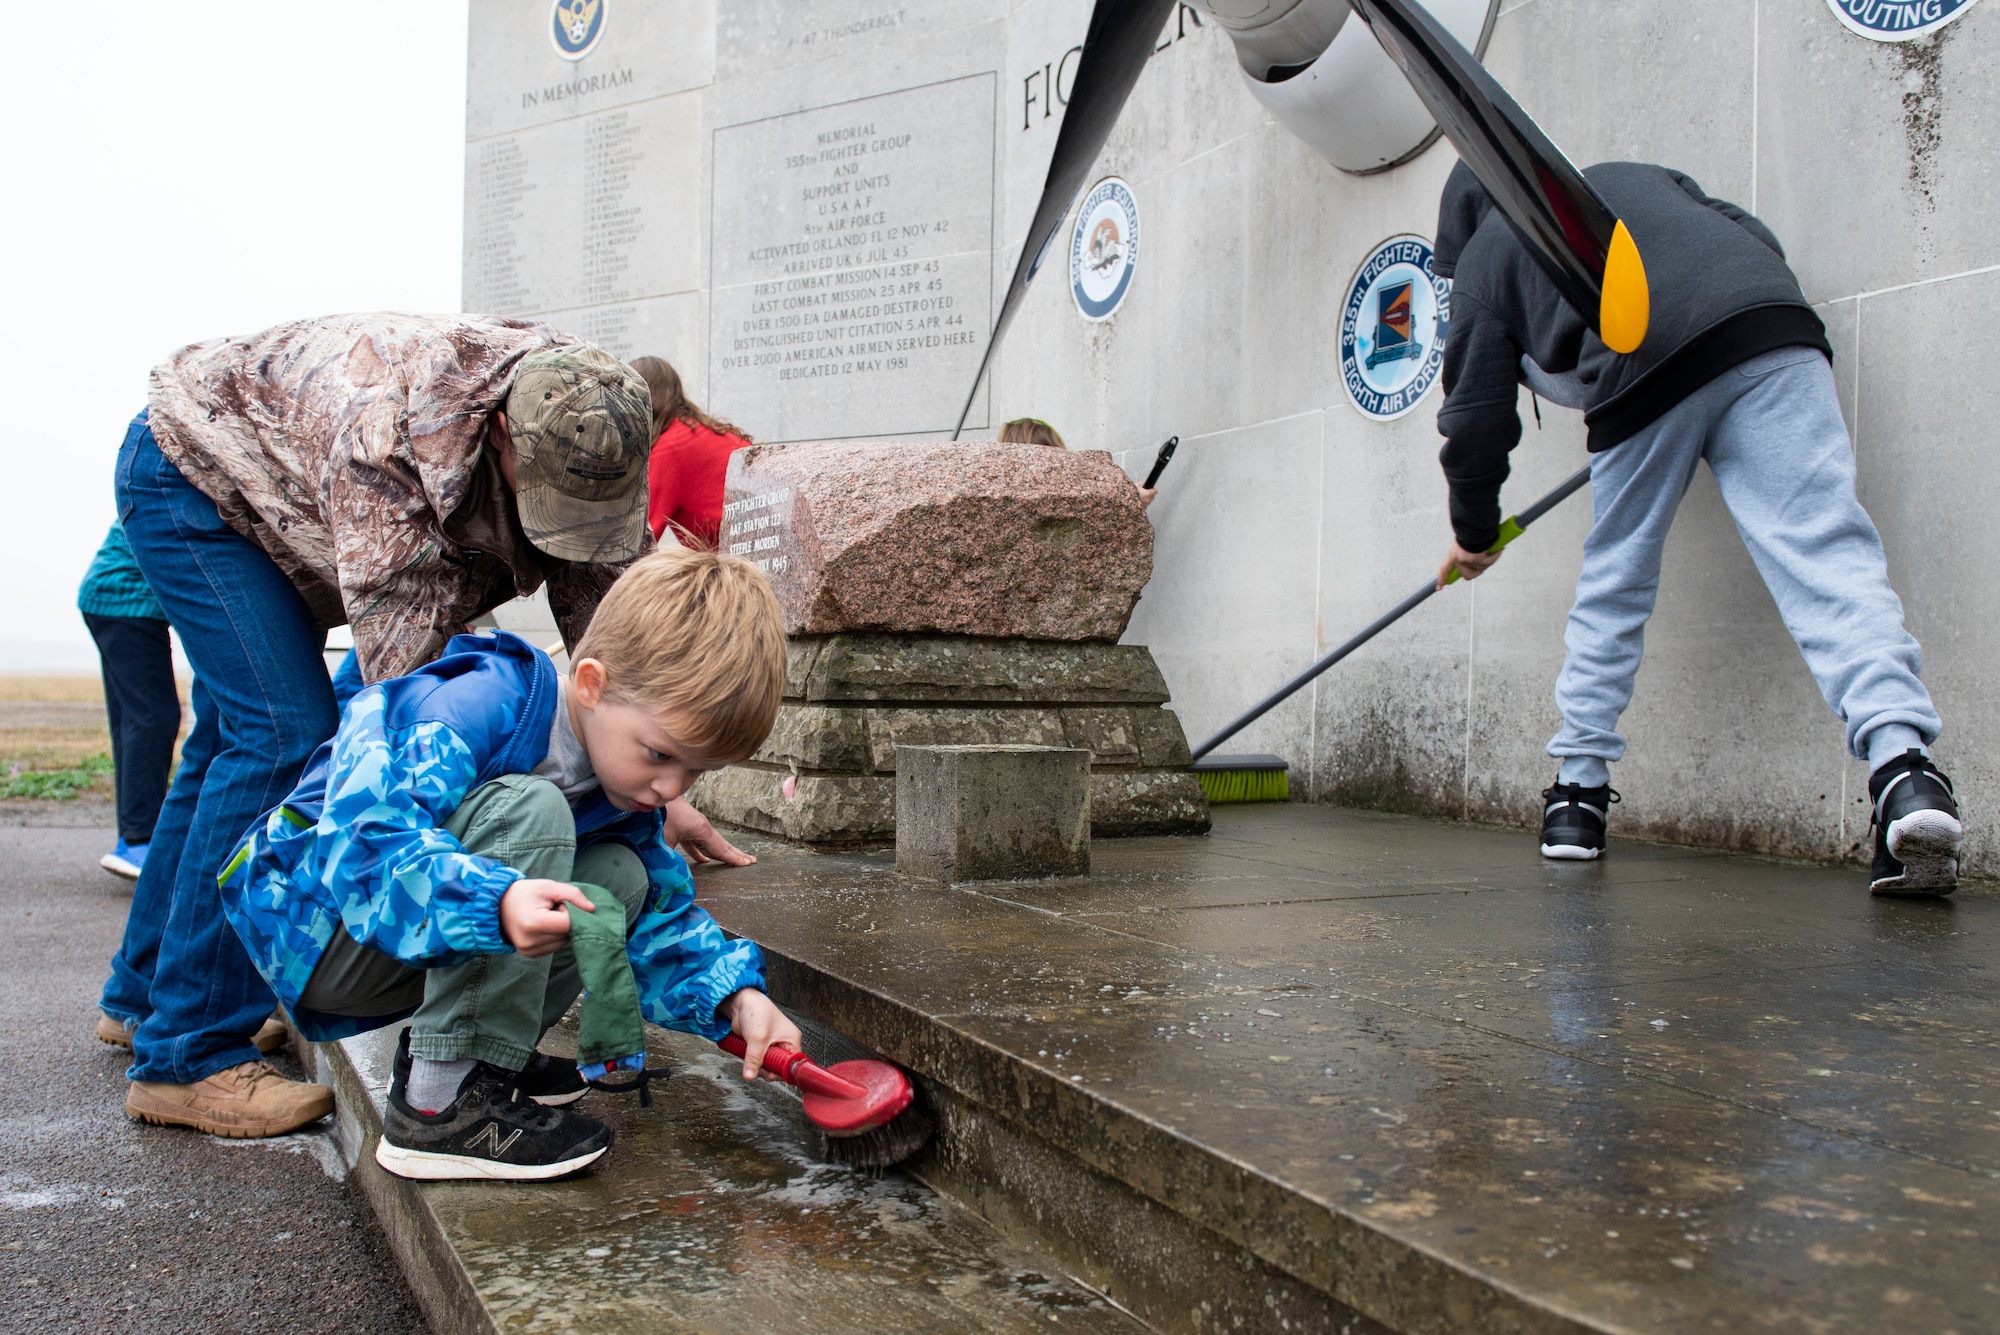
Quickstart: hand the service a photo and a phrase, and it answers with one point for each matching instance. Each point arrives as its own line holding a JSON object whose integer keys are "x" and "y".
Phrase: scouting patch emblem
{"x": 1896, "y": 20}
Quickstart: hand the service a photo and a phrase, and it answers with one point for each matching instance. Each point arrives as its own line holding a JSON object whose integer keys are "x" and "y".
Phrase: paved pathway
{"x": 110, "y": 1226}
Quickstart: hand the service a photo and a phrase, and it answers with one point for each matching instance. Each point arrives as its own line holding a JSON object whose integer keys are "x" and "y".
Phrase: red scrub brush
{"x": 865, "y": 1109}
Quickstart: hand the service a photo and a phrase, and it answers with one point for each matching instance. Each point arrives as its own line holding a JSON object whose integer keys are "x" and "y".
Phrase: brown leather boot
{"x": 269, "y": 1038}
{"x": 243, "y": 1102}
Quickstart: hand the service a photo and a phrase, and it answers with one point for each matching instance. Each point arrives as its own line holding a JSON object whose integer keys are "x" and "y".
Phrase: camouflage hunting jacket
{"x": 343, "y": 446}
{"x": 359, "y": 846}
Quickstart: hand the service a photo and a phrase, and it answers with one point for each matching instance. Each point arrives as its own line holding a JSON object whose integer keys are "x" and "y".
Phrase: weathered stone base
{"x": 989, "y": 813}
{"x": 861, "y": 808}
{"x": 851, "y": 700}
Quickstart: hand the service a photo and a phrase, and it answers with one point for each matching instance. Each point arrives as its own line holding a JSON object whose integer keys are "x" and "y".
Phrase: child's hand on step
{"x": 532, "y": 917}
{"x": 760, "y": 1024}
{"x": 690, "y": 832}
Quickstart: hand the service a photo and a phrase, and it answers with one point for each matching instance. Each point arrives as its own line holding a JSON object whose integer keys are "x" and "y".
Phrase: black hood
{"x": 1461, "y": 208}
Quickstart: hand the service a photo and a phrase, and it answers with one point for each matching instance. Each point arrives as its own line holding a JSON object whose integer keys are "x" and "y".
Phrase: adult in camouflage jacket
{"x": 349, "y": 449}
{"x": 400, "y": 474}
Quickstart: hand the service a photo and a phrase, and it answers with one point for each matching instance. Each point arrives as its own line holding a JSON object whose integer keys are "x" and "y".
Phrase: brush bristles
{"x": 884, "y": 1147}
{"x": 1239, "y": 785}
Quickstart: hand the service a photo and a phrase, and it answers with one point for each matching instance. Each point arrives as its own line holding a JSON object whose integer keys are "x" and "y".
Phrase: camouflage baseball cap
{"x": 582, "y": 424}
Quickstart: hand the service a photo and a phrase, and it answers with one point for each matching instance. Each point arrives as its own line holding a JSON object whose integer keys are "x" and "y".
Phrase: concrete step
{"x": 1340, "y": 1071}
{"x": 709, "y": 1215}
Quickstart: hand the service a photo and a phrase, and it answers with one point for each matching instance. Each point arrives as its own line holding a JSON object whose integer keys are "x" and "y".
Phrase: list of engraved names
{"x": 583, "y": 212}
{"x": 852, "y": 275}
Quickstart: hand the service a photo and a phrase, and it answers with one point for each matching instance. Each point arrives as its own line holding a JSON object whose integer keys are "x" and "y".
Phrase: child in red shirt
{"x": 689, "y": 460}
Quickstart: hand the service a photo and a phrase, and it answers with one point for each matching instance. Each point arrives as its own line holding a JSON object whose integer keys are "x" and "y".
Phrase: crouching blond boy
{"x": 427, "y": 864}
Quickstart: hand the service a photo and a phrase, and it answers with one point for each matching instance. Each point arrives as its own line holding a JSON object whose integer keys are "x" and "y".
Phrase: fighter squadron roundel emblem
{"x": 1392, "y": 328}
{"x": 575, "y": 26}
{"x": 1104, "y": 249}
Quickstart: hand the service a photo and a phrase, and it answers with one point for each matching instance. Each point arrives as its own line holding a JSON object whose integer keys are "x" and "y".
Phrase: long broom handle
{"x": 1510, "y": 530}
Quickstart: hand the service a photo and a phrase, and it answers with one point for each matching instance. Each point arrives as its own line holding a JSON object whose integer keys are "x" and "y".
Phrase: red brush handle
{"x": 795, "y": 1068}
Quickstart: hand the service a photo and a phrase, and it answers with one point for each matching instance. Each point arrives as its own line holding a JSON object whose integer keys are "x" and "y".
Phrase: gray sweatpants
{"x": 1772, "y": 434}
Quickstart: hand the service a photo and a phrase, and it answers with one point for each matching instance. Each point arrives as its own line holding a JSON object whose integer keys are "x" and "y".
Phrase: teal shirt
{"x": 113, "y": 586}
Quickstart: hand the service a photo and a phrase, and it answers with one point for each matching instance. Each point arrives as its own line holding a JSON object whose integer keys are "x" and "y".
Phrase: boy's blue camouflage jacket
{"x": 359, "y": 844}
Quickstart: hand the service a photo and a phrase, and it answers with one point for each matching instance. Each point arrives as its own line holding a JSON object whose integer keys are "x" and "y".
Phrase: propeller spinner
{"x": 1569, "y": 228}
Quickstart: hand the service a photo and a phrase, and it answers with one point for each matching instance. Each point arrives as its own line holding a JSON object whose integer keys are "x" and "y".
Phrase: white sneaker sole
{"x": 1926, "y": 843}
{"x": 429, "y": 1166}
{"x": 118, "y": 866}
{"x": 1570, "y": 852}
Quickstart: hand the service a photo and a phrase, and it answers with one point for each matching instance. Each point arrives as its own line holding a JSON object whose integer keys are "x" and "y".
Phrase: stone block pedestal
{"x": 827, "y": 774}
{"x": 984, "y": 813}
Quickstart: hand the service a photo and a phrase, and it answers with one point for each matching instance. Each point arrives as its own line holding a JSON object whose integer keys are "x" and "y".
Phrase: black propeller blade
{"x": 1568, "y": 227}
{"x": 1115, "y": 51}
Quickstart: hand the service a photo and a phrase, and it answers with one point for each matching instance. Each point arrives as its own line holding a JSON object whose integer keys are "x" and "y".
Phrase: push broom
{"x": 1262, "y": 778}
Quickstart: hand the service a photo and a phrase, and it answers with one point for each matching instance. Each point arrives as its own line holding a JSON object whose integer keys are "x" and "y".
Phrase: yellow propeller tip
{"x": 1626, "y": 306}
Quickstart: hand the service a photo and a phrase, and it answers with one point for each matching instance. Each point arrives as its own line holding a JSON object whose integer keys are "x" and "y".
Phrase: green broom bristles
{"x": 1243, "y": 779}
{"x": 1245, "y": 786}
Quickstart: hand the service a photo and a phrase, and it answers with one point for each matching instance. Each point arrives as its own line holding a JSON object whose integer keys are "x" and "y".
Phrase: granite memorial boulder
{"x": 949, "y": 595}
{"x": 1016, "y": 541}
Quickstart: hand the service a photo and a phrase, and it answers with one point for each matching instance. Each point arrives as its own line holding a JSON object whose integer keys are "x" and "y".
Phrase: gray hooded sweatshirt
{"x": 1721, "y": 293}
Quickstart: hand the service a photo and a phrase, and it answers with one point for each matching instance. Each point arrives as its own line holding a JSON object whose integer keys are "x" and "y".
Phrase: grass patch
{"x": 75, "y": 688}
{"x": 59, "y": 785}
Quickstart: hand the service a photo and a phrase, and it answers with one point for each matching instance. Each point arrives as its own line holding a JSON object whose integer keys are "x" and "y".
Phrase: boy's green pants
{"x": 496, "y": 1007}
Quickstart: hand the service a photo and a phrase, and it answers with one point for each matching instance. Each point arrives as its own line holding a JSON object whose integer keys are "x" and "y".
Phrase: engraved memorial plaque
{"x": 761, "y": 522}
{"x": 584, "y": 212}
{"x": 851, "y": 278}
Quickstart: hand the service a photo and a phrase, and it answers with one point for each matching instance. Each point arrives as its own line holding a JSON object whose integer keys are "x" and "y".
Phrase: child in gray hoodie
{"x": 1734, "y": 369}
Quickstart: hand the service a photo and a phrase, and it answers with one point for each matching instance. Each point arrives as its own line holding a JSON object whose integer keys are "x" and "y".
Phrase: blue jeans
{"x": 128, "y": 994}
{"x": 143, "y": 706}
{"x": 264, "y": 704}
{"x": 1772, "y": 434}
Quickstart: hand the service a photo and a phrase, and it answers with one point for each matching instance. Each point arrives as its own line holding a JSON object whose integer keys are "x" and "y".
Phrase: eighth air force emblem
{"x": 575, "y": 26}
{"x": 1392, "y": 328}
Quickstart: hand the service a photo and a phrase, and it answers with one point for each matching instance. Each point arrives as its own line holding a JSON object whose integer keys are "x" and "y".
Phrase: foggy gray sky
{"x": 177, "y": 171}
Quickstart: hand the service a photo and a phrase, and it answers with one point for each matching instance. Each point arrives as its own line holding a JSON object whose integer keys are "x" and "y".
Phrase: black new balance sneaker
{"x": 549, "y": 1081}
{"x": 491, "y": 1131}
{"x": 1573, "y": 820}
{"x": 1917, "y": 829}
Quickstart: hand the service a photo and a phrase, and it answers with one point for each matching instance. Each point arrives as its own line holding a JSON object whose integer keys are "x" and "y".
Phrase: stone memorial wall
{"x": 671, "y": 188}
{"x": 856, "y": 279}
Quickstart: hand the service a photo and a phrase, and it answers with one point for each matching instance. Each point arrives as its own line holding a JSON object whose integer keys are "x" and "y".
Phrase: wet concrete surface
{"x": 109, "y": 1225}
{"x": 1454, "y": 1086}
{"x": 712, "y": 1214}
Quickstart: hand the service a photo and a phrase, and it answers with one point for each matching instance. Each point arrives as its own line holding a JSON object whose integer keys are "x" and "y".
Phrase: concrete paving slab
{"x": 1450, "y": 1107}
{"x": 108, "y": 1225}
{"x": 711, "y": 1214}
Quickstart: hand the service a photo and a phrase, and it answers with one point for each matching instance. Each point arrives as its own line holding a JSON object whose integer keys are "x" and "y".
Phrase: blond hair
{"x": 1031, "y": 431}
{"x": 697, "y": 633}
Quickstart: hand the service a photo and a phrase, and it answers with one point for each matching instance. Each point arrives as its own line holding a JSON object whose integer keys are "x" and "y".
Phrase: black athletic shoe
{"x": 549, "y": 1081}
{"x": 1917, "y": 829}
{"x": 491, "y": 1131}
{"x": 1573, "y": 820}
